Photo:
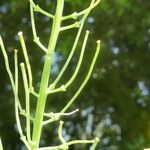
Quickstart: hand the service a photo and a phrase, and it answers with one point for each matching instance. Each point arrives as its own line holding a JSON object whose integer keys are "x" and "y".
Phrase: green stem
{"x": 61, "y": 147}
{"x": 1, "y": 146}
{"x": 37, "y": 127}
{"x": 27, "y": 99}
{"x": 85, "y": 80}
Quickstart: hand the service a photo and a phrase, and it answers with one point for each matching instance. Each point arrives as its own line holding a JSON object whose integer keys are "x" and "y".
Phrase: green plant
{"x": 1, "y": 146}
{"x": 32, "y": 140}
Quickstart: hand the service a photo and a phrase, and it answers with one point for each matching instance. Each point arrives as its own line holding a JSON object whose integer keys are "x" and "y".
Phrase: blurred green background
{"x": 115, "y": 105}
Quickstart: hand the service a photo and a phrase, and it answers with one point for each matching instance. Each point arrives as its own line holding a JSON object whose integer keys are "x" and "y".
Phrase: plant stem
{"x": 37, "y": 127}
{"x": 1, "y": 146}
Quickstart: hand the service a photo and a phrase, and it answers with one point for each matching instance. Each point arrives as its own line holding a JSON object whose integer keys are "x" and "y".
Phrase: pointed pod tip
{"x": 20, "y": 33}
{"x": 1, "y": 146}
{"x": 61, "y": 122}
{"x": 77, "y": 109}
{"x": 87, "y": 31}
{"x": 98, "y": 42}
{"x": 1, "y": 39}
{"x": 15, "y": 50}
{"x": 22, "y": 64}
{"x": 1, "y": 42}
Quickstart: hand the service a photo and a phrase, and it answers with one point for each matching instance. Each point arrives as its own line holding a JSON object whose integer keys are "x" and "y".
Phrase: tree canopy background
{"x": 115, "y": 105}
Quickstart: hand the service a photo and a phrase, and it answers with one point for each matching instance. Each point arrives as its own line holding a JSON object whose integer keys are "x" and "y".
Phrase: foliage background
{"x": 116, "y": 100}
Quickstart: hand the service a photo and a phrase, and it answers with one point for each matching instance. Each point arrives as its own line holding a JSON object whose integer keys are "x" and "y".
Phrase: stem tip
{"x": 20, "y": 33}
{"x": 98, "y": 42}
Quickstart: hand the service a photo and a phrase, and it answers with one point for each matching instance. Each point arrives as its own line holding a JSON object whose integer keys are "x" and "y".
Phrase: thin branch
{"x": 23, "y": 138}
{"x": 80, "y": 60}
{"x": 13, "y": 83}
{"x": 75, "y": 14}
{"x": 1, "y": 146}
{"x": 85, "y": 80}
{"x": 20, "y": 34}
{"x": 16, "y": 95}
{"x": 35, "y": 37}
{"x": 77, "y": 68}
{"x": 25, "y": 115}
{"x": 38, "y": 9}
{"x": 37, "y": 41}
{"x": 52, "y": 115}
{"x": 8, "y": 69}
{"x": 56, "y": 116}
{"x": 60, "y": 135}
{"x": 34, "y": 93}
{"x": 68, "y": 144}
{"x": 16, "y": 80}
{"x": 27, "y": 98}
{"x": 60, "y": 89}
{"x": 33, "y": 21}
{"x": 80, "y": 142}
{"x": 74, "y": 25}
{"x": 7, "y": 64}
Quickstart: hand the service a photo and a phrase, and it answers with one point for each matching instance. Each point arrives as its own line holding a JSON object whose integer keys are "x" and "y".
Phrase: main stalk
{"x": 37, "y": 127}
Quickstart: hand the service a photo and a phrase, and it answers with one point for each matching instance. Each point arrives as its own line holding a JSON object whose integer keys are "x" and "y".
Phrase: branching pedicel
{"x": 31, "y": 140}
